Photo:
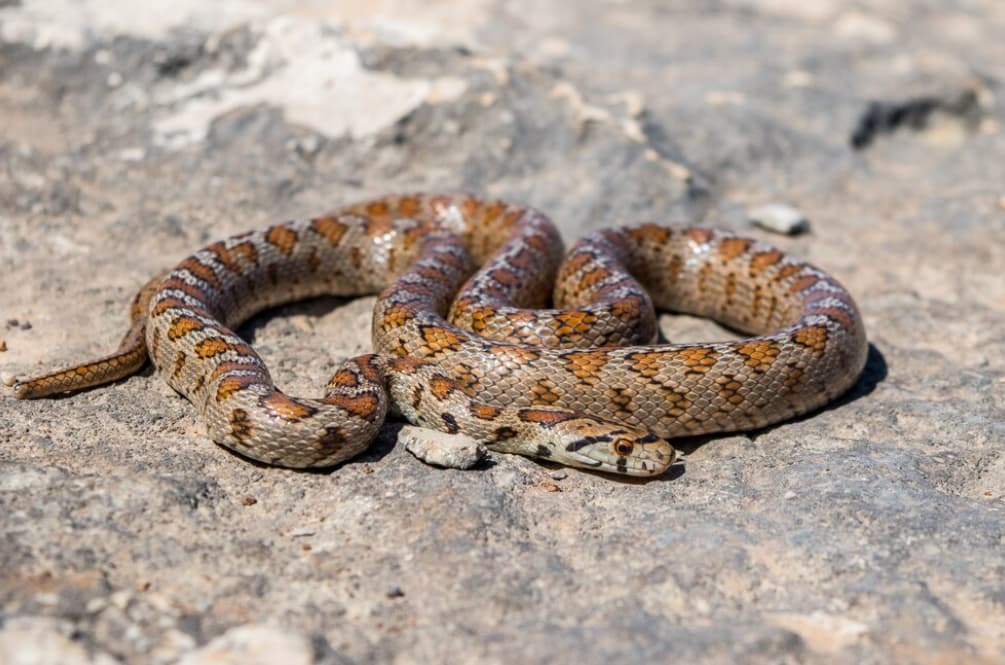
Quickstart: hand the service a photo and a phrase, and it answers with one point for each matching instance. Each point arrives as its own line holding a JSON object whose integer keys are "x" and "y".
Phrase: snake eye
{"x": 623, "y": 447}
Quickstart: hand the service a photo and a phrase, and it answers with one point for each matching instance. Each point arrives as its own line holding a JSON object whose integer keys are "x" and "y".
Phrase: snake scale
{"x": 463, "y": 343}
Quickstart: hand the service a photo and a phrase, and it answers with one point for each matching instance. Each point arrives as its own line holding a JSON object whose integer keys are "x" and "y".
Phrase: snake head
{"x": 602, "y": 445}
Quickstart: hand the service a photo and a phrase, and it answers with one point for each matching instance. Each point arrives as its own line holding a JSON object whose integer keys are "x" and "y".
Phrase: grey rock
{"x": 869, "y": 532}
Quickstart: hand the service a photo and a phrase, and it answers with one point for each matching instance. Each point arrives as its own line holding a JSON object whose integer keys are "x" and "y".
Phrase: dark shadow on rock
{"x": 310, "y": 307}
{"x": 881, "y": 117}
{"x": 873, "y": 374}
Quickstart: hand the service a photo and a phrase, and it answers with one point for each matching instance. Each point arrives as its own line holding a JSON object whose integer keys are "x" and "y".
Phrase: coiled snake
{"x": 583, "y": 384}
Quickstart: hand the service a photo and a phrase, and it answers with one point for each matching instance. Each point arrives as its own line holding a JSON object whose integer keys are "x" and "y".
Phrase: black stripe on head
{"x": 586, "y": 441}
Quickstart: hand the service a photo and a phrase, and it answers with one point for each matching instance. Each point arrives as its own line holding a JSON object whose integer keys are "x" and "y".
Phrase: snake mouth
{"x": 647, "y": 468}
{"x": 583, "y": 460}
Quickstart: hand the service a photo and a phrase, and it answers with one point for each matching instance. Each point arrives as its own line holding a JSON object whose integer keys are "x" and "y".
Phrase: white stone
{"x": 253, "y": 645}
{"x": 779, "y": 218}
{"x": 454, "y": 451}
{"x": 41, "y": 640}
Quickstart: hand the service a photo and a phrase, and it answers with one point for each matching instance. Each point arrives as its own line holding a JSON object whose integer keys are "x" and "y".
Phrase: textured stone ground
{"x": 871, "y": 532}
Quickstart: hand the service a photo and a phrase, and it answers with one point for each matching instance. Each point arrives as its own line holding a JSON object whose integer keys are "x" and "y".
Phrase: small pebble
{"x": 12, "y": 323}
{"x": 3, "y": 345}
{"x": 248, "y": 500}
{"x": 8, "y": 379}
{"x": 789, "y": 495}
{"x": 454, "y": 451}
{"x": 549, "y": 486}
{"x": 779, "y": 218}
{"x": 395, "y": 592}
{"x": 558, "y": 474}
{"x": 26, "y": 325}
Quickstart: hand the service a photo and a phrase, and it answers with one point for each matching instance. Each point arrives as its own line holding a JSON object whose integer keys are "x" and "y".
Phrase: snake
{"x": 484, "y": 327}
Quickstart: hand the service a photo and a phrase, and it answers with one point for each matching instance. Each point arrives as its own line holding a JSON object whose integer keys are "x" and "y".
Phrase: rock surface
{"x": 872, "y": 531}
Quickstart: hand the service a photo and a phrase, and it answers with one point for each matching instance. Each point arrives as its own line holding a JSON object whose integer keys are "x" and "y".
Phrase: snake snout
{"x": 611, "y": 447}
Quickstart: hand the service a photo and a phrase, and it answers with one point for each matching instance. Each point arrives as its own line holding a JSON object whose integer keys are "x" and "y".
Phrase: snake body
{"x": 462, "y": 342}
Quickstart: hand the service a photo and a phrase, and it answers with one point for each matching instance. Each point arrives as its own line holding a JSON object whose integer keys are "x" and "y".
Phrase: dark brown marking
{"x": 731, "y": 248}
{"x": 573, "y": 322}
{"x": 585, "y": 365}
{"x": 179, "y": 363}
{"x": 313, "y": 260}
{"x": 228, "y": 258}
{"x": 283, "y": 237}
{"x": 698, "y": 359}
{"x": 201, "y": 271}
{"x": 548, "y": 418}
{"x": 729, "y": 288}
{"x": 441, "y": 386}
{"x": 229, "y": 385}
{"x": 408, "y": 206}
{"x": 787, "y": 271}
{"x": 168, "y": 304}
{"x": 505, "y": 433}
{"x": 543, "y": 393}
{"x": 450, "y": 422}
{"x": 803, "y": 283}
{"x": 344, "y": 378}
{"x": 658, "y": 235}
{"x": 212, "y": 346}
{"x": 407, "y": 364}
{"x": 646, "y": 363}
{"x": 439, "y": 339}
{"x": 182, "y": 326}
{"x": 759, "y": 354}
{"x": 363, "y": 405}
{"x": 371, "y": 368}
{"x": 485, "y": 411}
{"x": 593, "y": 277}
{"x": 763, "y": 260}
{"x": 396, "y": 316}
{"x": 333, "y": 437}
{"x": 240, "y": 425}
{"x": 330, "y": 229}
{"x": 193, "y": 290}
{"x": 813, "y": 338}
{"x": 841, "y": 316}
{"x": 285, "y": 407}
{"x": 700, "y": 236}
